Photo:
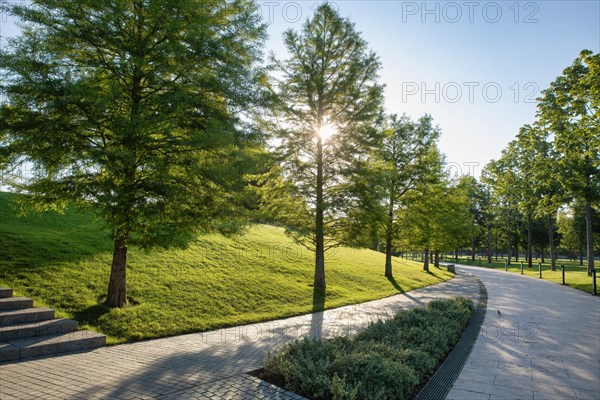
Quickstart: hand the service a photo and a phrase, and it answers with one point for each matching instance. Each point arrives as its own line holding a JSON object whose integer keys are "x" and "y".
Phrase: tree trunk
{"x": 388, "y": 240}
{"x": 489, "y": 245}
{"x": 516, "y": 252}
{"x": 509, "y": 246}
{"x": 590, "y": 238}
{"x": 473, "y": 249}
{"x": 426, "y": 261}
{"x": 543, "y": 255}
{"x": 117, "y": 286}
{"x": 319, "y": 282}
{"x": 456, "y": 255}
{"x": 496, "y": 246}
{"x": 437, "y": 258}
{"x": 529, "y": 240}
{"x": 580, "y": 251}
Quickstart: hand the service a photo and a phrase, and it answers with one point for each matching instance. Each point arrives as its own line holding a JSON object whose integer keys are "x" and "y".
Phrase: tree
{"x": 405, "y": 163}
{"x": 428, "y": 215}
{"x": 478, "y": 201}
{"x": 548, "y": 193}
{"x": 486, "y": 214}
{"x": 526, "y": 151}
{"x": 329, "y": 106}
{"x": 502, "y": 176}
{"x": 454, "y": 225}
{"x": 570, "y": 109}
{"x": 397, "y": 167}
{"x": 132, "y": 109}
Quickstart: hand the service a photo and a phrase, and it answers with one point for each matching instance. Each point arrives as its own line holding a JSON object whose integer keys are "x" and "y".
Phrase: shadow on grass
{"x": 91, "y": 315}
{"x": 395, "y": 284}
{"x": 318, "y": 300}
{"x": 316, "y": 320}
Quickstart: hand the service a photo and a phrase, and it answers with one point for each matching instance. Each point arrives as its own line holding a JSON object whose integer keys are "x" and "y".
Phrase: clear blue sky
{"x": 463, "y": 52}
{"x": 476, "y": 66}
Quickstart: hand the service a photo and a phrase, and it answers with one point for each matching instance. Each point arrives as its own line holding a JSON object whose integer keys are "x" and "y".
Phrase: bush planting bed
{"x": 387, "y": 360}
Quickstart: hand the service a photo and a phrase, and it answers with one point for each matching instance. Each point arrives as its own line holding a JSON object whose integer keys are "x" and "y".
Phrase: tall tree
{"x": 478, "y": 200}
{"x": 547, "y": 190}
{"x": 524, "y": 151}
{"x": 503, "y": 177}
{"x": 570, "y": 109}
{"x": 132, "y": 109}
{"x": 397, "y": 167}
{"x": 329, "y": 109}
{"x": 405, "y": 164}
{"x": 487, "y": 216}
{"x": 425, "y": 209}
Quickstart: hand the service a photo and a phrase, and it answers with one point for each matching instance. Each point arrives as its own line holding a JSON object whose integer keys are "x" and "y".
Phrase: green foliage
{"x": 437, "y": 214}
{"x": 570, "y": 109}
{"x": 502, "y": 177}
{"x": 383, "y": 180}
{"x": 386, "y": 360}
{"x": 60, "y": 261}
{"x": 85, "y": 84}
{"x": 570, "y": 235}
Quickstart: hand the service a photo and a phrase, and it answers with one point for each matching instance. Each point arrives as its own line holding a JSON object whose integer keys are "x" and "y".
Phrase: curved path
{"x": 544, "y": 343}
{"x": 210, "y": 365}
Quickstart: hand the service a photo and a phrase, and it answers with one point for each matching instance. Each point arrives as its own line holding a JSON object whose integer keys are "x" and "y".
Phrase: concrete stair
{"x": 15, "y": 303}
{"x": 27, "y": 331}
{"x": 5, "y": 292}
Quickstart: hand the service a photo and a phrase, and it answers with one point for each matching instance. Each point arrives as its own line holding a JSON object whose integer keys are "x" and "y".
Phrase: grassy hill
{"x": 63, "y": 260}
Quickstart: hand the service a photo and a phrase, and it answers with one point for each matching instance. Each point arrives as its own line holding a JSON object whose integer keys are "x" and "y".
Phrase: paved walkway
{"x": 545, "y": 345}
{"x": 201, "y": 366}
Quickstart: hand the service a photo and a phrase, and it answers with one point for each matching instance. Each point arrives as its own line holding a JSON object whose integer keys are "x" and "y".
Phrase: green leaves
{"x": 133, "y": 109}
{"x": 570, "y": 109}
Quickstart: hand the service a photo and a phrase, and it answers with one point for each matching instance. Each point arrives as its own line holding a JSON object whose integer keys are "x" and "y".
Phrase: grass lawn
{"x": 575, "y": 275}
{"x": 63, "y": 261}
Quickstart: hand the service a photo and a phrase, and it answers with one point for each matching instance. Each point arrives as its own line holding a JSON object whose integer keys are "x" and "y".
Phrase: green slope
{"x": 62, "y": 261}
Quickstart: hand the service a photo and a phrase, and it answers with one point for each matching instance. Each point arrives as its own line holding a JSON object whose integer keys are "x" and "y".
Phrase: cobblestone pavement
{"x": 209, "y": 365}
{"x": 544, "y": 343}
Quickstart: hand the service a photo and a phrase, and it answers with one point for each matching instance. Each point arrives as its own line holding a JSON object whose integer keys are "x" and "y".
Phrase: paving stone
{"x": 456, "y": 394}
{"x": 544, "y": 349}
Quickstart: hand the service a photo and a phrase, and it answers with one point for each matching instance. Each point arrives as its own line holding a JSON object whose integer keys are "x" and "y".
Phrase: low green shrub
{"x": 386, "y": 360}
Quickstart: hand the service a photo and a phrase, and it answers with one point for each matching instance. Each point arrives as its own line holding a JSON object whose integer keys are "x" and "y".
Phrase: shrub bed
{"x": 386, "y": 360}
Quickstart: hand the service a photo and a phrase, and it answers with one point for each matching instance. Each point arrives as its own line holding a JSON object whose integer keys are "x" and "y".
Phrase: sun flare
{"x": 326, "y": 131}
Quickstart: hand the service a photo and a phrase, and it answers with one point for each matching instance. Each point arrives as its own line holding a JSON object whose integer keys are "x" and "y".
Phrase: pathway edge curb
{"x": 440, "y": 383}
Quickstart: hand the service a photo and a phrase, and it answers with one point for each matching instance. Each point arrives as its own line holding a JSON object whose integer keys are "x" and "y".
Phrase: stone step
{"x": 8, "y": 352}
{"x": 15, "y": 303}
{"x": 50, "y": 327}
{"x": 52, "y": 344}
{"x": 5, "y": 292}
{"x": 26, "y": 315}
